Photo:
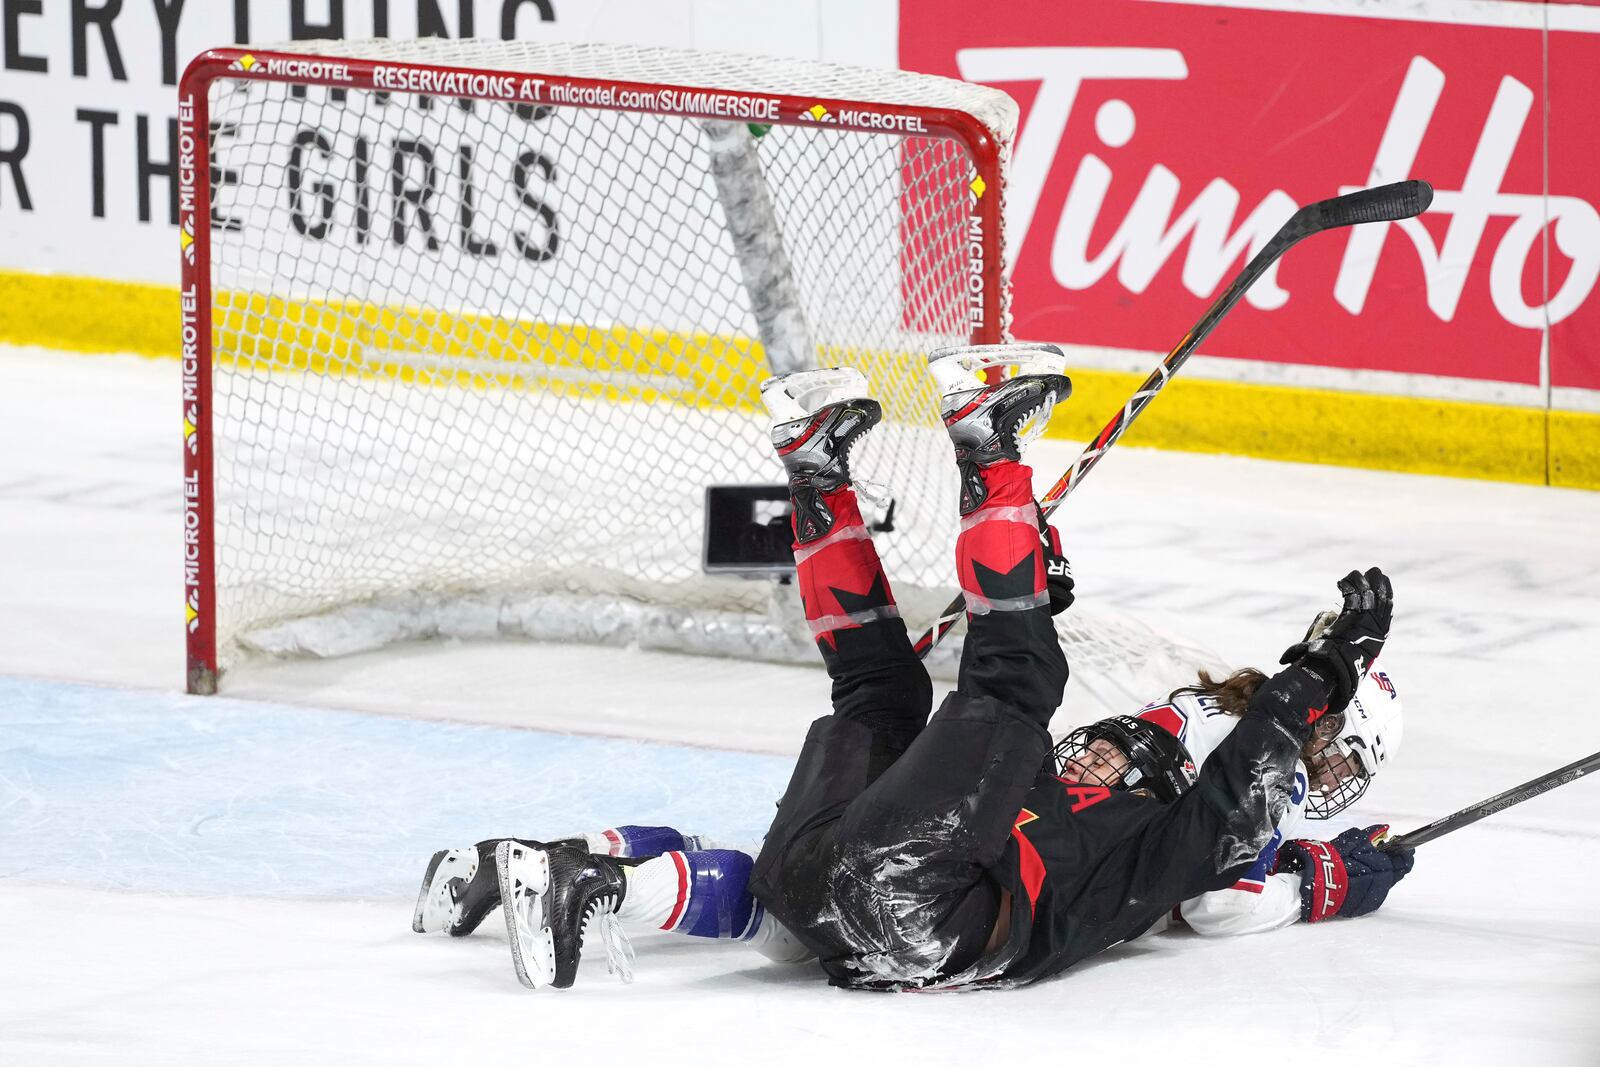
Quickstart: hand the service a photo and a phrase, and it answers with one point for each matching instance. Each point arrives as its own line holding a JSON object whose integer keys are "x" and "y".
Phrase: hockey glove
{"x": 1319, "y": 626}
{"x": 1057, "y": 571}
{"x": 1348, "y": 647}
{"x": 1347, "y": 876}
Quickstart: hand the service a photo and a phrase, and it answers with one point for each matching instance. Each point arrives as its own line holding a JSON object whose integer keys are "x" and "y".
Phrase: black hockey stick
{"x": 1386, "y": 203}
{"x": 1485, "y": 808}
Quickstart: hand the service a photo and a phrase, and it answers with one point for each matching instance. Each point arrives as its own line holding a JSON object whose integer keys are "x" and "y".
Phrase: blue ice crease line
{"x": 159, "y": 792}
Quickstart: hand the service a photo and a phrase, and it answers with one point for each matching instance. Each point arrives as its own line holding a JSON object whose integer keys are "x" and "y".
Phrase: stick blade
{"x": 1385, "y": 203}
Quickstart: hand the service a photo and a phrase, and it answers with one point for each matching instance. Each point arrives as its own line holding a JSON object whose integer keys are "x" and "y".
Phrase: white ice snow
{"x": 230, "y": 879}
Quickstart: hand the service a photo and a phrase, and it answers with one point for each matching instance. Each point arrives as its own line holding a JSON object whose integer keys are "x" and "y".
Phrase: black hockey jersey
{"x": 1089, "y": 867}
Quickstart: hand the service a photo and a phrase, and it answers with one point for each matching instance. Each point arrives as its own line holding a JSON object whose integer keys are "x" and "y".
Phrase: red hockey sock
{"x": 841, "y": 579}
{"x": 998, "y": 556}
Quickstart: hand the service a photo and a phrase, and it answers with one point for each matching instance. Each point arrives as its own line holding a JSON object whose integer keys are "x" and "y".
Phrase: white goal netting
{"x": 476, "y": 361}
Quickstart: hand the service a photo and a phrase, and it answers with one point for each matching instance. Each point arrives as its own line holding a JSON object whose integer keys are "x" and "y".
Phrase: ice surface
{"x": 181, "y": 794}
{"x": 230, "y": 880}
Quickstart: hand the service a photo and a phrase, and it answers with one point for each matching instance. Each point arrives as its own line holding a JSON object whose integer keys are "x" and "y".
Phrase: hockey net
{"x": 471, "y": 326}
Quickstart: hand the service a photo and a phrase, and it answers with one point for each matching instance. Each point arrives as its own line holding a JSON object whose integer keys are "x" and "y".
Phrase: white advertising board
{"x": 88, "y": 98}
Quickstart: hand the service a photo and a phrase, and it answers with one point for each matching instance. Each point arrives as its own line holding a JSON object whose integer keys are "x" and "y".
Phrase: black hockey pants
{"x": 876, "y": 858}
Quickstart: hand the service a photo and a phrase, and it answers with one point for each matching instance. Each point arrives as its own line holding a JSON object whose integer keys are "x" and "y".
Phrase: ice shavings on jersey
{"x": 1244, "y": 836}
{"x": 907, "y": 900}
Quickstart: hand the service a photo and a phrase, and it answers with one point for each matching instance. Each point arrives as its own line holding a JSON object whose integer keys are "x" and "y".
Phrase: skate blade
{"x": 525, "y": 899}
{"x": 966, "y": 367}
{"x": 790, "y": 397}
{"x": 437, "y": 910}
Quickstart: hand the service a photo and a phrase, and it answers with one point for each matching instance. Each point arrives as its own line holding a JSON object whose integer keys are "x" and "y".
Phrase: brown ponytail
{"x": 1232, "y": 693}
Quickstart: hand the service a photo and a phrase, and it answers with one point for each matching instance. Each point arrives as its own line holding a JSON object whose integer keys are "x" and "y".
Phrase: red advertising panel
{"x": 1162, "y": 142}
{"x": 1574, "y": 93}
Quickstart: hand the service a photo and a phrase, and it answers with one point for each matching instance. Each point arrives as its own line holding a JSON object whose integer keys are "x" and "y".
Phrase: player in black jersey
{"x": 914, "y": 851}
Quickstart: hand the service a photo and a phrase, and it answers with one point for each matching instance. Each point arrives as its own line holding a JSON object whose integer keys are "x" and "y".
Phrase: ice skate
{"x": 991, "y": 414}
{"x": 461, "y": 886}
{"x": 553, "y": 899}
{"x": 818, "y": 417}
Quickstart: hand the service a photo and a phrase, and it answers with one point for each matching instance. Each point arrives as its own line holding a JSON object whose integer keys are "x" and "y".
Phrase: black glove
{"x": 1057, "y": 571}
{"x": 1348, "y": 647}
{"x": 1347, "y": 876}
{"x": 1319, "y": 626}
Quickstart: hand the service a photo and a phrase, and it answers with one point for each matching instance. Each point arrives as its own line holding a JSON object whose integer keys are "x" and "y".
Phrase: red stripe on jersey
{"x": 1167, "y": 717}
{"x": 1249, "y": 887}
{"x": 613, "y": 841}
{"x": 683, "y": 891}
{"x": 1029, "y": 864}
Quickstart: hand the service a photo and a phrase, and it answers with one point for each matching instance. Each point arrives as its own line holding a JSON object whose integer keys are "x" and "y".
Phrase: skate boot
{"x": 462, "y": 885}
{"x": 818, "y": 416}
{"x": 553, "y": 898}
{"x": 990, "y": 418}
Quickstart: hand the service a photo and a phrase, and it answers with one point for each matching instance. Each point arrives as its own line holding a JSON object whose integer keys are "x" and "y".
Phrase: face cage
{"x": 1098, "y": 767}
{"x": 1347, "y": 792}
{"x": 1107, "y": 762}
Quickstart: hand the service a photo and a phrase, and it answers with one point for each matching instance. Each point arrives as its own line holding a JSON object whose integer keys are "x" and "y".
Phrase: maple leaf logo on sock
{"x": 1014, "y": 584}
{"x": 875, "y": 597}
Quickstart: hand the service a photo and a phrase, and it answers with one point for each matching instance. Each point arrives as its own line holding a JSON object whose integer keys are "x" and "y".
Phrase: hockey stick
{"x": 1485, "y": 808}
{"x": 1386, "y": 203}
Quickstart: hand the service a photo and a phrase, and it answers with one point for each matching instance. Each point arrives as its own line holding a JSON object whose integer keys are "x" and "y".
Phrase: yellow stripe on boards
{"x": 425, "y": 346}
{"x": 88, "y": 314}
{"x": 1317, "y": 426}
{"x": 1575, "y": 449}
{"x": 432, "y": 347}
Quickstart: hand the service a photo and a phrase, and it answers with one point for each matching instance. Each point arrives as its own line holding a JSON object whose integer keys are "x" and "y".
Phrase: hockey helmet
{"x": 1343, "y": 765}
{"x": 1126, "y": 753}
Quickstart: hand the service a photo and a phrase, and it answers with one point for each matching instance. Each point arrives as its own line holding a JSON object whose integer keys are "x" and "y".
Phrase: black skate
{"x": 462, "y": 885}
{"x": 553, "y": 898}
{"x": 818, "y": 416}
{"x": 991, "y": 418}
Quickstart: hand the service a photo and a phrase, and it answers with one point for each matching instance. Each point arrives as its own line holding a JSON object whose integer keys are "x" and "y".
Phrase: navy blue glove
{"x": 1347, "y": 876}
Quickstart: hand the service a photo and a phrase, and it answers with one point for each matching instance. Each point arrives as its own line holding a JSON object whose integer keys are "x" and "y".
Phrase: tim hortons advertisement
{"x": 1162, "y": 143}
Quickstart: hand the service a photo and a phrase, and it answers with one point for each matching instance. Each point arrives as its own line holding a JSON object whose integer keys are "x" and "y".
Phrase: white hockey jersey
{"x": 1260, "y": 900}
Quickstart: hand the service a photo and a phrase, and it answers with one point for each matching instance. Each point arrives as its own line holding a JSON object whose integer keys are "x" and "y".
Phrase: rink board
{"x": 1419, "y": 434}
